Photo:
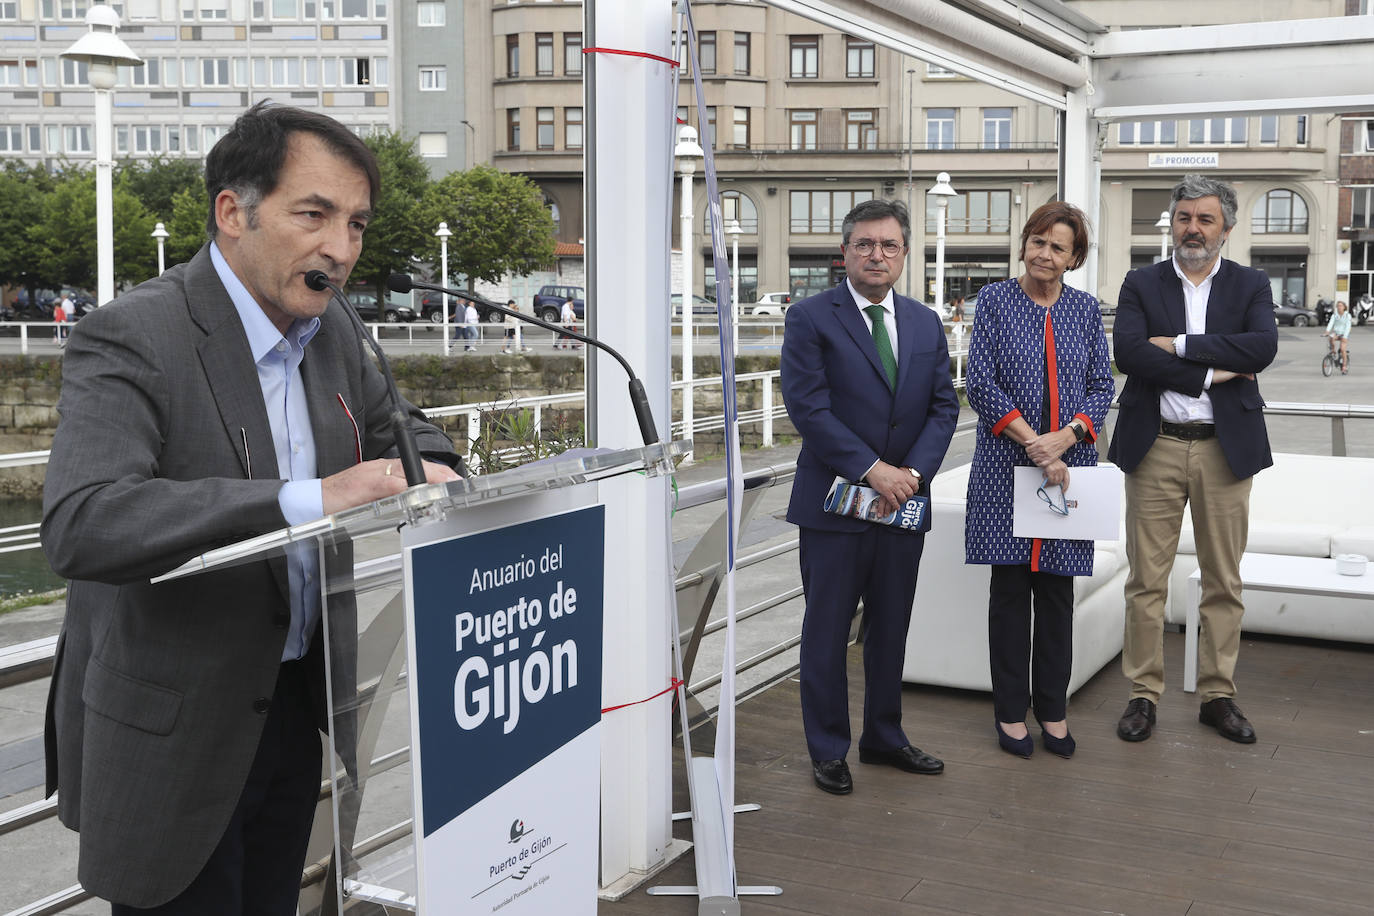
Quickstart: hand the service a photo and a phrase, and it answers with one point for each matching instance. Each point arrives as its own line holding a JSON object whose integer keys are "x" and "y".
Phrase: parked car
{"x": 39, "y": 308}
{"x": 431, "y": 308}
{"x": 1296, "y": 315}
{"x": 365, "y": 302}
{"x": 548, "y": 302}
{"x": 700, "y": 305}
{"x": 770, "y": 305}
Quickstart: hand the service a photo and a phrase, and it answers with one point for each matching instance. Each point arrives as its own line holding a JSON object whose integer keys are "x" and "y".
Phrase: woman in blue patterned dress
{"x": 1040, "y": 378}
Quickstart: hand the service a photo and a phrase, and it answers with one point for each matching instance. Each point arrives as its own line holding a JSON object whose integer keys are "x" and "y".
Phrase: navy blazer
{"x": 838, "y": 397}
{"x": 1242, "y": 336}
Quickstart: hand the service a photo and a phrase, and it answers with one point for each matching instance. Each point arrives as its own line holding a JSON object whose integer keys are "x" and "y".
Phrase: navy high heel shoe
{"x": 1020, "y": 747}
{"x": 1064, "y": 747}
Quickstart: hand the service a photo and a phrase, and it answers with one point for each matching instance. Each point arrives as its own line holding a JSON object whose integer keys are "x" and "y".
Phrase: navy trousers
{"x": 1030, "y": 669}
{"x": 256, "y": 868}
{"x": 879, "y": 565}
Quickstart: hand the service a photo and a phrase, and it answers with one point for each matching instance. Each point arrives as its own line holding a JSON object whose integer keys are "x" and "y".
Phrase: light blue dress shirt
{"x": 278, "y": 360}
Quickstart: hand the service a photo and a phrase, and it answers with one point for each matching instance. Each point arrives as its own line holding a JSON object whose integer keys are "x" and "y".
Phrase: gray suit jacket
{"x": 154, "y": 712}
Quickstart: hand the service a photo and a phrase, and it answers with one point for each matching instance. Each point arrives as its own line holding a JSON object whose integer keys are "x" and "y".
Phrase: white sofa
{"x": 1305, "y": 505}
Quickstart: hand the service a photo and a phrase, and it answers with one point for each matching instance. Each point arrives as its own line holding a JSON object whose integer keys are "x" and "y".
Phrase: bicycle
{"x": 1332, "y": 360}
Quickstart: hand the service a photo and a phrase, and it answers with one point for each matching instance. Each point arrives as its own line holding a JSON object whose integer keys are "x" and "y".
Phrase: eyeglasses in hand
{"x": 1060, "y": 508}
{"x": 889, "y": 248}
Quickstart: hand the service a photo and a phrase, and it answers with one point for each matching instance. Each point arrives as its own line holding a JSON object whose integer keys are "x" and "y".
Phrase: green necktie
{"x": 883, "y": 343}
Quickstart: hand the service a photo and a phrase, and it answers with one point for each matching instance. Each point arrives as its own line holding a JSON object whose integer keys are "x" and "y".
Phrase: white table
{"x": 1269, "y": 572}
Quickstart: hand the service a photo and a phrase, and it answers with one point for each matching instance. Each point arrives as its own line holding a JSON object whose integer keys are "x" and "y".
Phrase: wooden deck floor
{"x": 1185, "y": 823}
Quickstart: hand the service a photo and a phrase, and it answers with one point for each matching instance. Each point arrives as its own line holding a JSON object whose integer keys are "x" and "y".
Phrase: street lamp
{"x": 910, "y": 128}
{"x": 473, "y": 131}
{"x": 443, "y": 233}
{"x": 1163, "y": 227}
{"x": 734, "y": 231}
{"x": 160, "y": 233}
{"x": 102, "y": 51}
{"x": 687, "y": 152}
{"x": 942, "y": 193}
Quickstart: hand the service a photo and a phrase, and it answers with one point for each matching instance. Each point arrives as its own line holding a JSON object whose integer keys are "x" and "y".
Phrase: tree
{"x": 186, "y": 228}
{"x": 395, "y": 232}
{"x": 64, "y": 234}
{"x": 156, "y": 182}
{"x": 22, "y": 189}
{"x": 499, "y": 223}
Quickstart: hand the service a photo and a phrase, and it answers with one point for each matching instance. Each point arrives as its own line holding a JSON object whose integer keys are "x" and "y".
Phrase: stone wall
{"x": 29, "y": 386}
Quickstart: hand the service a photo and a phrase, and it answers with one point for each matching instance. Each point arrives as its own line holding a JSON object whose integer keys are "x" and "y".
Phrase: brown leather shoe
{"x": 1225, "y": 716}
{"x": 1138, "y": 721}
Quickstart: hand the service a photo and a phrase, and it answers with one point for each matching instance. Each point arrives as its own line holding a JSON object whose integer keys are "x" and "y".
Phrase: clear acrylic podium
{"x": 374, "y": 800}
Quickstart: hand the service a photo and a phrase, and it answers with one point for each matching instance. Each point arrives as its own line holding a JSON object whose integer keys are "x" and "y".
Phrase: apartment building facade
{"x": 805, "y": 121}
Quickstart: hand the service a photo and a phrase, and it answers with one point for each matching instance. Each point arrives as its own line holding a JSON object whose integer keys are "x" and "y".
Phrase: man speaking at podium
{"x": 220, "y": 400}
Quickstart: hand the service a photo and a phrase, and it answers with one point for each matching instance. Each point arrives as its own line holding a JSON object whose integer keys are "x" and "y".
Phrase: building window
{"x": 513, "y": 129}
{"x": 1302, "y": 130}
{"x": 214, "y": 71}
{"x": 858, "y": 58}
{"x": 356, "y": 71}
{"x": 736, "y": 206}
{"x": 1366, "y": 144}
{"x": 973, "y": 213}
{"x": 1148, "y": 133}
{"x": 433, "y": 145}
{"x": 572, "y": 53}
{"x": 939, "y": 128}
{"x": 76, "y": 138}
{"x": 706, "y": 51}
{"x": 803, "y": 128}
{"x": 572, "y": 128}
{"x": 937, "y": 72}
{"x": 9, "y": 9}
{"x": 286, "y": 71}
{"x": 1280, "y": 210}
{"x": 996, "y": 128}
{"x": 353, "y": 9}
{"x": 69, "y": 9}
{"x": 742, "y": 53}
{"x": 1361, "y": 208}
{"x": 9, "y": 73}
{"x": 74, "y": 72}
{"x": 286, "y": 9}
{"x": 1217, "y": 131}
{"x": 543, "y": 54}
{"x": 1269, "y": 130}
{"x": 806, "y": 57}
{"x": 860, "y": 130}
{"x": 741, "y": 137}
{"x": 148, "y": 75}
{"x": 543, "y": 128}
{"x": 11, "y": 139}
{"x": 823, "y": 211}
{"x": 512, "y": 56}
{"x": 710, "y": 138}
{"x": 147, "y": 139}
{"x": 433, "y": 79}
{"x": 430, "y": 14}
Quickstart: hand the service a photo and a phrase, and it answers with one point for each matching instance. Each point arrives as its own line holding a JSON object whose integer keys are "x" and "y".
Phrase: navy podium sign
{"x": 505, "y": 685}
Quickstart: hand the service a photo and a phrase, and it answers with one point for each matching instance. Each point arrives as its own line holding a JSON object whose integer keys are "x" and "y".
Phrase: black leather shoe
{"x": 1225, "y": 716}
{"x": 832, "y": 776}
{"x": 1138, "y": 721}
{"x": 909, "y": 758}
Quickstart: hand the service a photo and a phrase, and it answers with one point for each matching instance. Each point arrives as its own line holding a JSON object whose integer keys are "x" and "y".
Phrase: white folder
{"x": 1093, "y": 498}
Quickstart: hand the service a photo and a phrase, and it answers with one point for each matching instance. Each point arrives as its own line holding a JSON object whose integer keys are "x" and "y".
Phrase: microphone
{"x": 639, "y": 400}
{"x": 406, "y": 446}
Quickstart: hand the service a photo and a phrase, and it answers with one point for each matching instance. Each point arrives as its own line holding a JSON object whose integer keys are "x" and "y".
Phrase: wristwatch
{"x": 917, "y": 474}
{"x": 1080, "y": 432}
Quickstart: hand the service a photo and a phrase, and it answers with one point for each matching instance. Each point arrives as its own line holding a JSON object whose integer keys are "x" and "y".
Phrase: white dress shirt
{"x": 1174, "y": 406}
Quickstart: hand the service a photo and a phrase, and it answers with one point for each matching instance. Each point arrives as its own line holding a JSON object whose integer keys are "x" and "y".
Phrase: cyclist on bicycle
{"x": 1338, "y": 328}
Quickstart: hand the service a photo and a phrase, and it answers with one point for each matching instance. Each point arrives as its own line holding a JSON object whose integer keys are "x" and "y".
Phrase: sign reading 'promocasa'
{"x": 506, "y": 702}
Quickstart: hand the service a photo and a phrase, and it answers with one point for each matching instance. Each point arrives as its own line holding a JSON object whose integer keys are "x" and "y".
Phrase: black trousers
{"x": 1030, "y": 665}
{"x": 256, "y": 868}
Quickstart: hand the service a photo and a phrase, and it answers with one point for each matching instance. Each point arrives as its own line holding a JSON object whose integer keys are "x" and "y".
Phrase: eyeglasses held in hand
{"x": 1060, "y": 508}
{"x": 889, "y": 248}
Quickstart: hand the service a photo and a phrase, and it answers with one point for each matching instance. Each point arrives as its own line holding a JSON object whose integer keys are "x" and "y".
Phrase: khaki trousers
{"x": 1178, "y": 473}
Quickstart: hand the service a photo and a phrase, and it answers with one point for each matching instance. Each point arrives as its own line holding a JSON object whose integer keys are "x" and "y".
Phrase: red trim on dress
{"x": 1005, "y": 422}
{"x": 1052, "y": 382}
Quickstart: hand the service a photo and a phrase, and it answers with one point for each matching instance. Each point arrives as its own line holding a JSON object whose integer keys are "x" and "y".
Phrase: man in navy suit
{"x": 1191, "y": 332}
{"x": 865, "y": 376}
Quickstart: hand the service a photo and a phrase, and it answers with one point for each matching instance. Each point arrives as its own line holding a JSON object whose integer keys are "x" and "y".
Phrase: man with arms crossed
{"x": 1191, "y": 333}
{"x": 865, "y": 376}
{"x": 220, "y": 400}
